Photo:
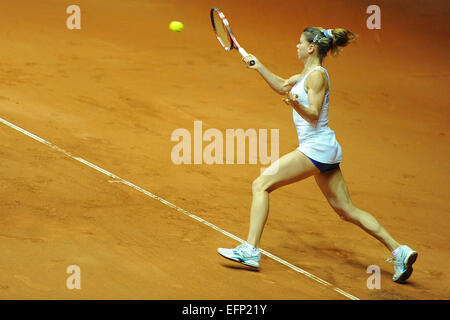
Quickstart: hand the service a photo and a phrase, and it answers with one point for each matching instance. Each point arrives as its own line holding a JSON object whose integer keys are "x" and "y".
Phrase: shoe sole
{"x": 409, "y": 269}
{"x": 239, "y": 261}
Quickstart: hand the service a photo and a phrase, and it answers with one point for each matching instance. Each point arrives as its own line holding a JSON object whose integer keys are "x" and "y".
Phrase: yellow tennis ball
{"x": 176, "y": 26}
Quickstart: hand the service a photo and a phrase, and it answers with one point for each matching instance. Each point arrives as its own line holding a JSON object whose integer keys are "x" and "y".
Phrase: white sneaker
{"x": 403, "y": 262}
{"x": 243, "y": 253}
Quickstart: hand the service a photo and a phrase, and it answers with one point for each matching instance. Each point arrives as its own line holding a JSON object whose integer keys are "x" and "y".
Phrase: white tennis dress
{"x": 316, "y": 142}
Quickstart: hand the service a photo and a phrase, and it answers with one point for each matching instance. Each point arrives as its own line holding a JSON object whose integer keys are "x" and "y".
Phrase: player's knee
{"x": 345, "y": 211}
{"x": 259, "y": 185}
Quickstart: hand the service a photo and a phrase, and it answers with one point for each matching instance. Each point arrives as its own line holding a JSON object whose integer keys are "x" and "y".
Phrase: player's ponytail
{"x": 341, "y": 38}
{"x": 329, "y": 39}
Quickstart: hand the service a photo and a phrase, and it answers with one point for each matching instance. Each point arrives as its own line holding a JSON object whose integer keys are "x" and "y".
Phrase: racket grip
{"x": 244, "y": 54}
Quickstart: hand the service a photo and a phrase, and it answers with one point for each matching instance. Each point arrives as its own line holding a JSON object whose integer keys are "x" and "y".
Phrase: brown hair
{"x": 319, "y": 36}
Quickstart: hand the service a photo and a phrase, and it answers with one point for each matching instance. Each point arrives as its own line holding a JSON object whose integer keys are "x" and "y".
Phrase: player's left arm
{"x": 316, "y": 86}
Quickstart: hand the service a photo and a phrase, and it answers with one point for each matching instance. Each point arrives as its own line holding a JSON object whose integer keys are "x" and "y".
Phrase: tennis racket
{"x": 224, "y": 34}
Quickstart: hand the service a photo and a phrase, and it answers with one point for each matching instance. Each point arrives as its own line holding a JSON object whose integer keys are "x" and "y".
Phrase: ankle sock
{"x": 251, "y": 248}
{"x": 396, "y": 251}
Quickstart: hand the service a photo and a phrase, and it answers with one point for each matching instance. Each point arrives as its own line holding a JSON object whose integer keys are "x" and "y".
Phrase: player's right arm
{"x": 278, "y": 84}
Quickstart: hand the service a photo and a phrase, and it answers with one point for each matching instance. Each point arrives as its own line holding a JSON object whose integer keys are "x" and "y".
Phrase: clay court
{"x": 113, "y": 93}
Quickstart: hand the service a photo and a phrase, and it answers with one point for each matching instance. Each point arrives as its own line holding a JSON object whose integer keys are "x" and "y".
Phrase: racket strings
{"x": 220, "y": 26}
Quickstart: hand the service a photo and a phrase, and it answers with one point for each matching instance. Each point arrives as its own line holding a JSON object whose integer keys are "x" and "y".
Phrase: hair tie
{"x": 328, "y": 33}
{"x": 315, "y": 38}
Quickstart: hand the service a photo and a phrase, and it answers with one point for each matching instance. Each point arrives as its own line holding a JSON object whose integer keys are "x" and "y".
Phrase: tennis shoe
{"x": 403, "y": 261}
{"x": 243, "y": 253}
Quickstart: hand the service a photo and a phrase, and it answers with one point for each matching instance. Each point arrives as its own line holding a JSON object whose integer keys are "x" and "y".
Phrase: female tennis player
{"x": 318, "y": 154}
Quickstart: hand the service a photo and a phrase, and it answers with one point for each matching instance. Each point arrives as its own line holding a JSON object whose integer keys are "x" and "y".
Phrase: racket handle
{"x": 244, "y": 54}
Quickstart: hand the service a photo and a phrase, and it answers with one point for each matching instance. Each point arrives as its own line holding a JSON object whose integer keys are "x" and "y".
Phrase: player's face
{"x": 302, "y": 48}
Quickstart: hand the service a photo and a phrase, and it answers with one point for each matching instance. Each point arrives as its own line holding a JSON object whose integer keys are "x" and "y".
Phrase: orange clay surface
{"x": 113, "y": 93}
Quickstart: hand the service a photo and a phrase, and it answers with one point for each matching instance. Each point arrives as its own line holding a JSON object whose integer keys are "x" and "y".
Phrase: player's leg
{"x": 290, "y": 168}
{"x": 336, "y": 192}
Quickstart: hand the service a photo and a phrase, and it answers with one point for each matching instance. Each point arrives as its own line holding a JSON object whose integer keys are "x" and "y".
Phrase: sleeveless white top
{"x": 317, "y": 142}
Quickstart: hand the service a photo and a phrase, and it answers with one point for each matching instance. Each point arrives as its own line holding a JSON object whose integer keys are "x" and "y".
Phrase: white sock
{"x": 251, "y": 248}
{"x": 396, "y": 251}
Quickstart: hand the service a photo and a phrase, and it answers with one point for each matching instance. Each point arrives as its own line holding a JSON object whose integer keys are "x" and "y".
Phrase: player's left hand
{"x": 291, "y": 98}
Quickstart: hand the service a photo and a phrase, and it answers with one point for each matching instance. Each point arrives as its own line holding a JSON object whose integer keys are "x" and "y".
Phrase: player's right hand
{"x": 249, "y": 58}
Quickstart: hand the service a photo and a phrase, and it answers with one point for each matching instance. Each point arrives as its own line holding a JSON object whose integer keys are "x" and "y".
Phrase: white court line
{"x": 118, "y": 179}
